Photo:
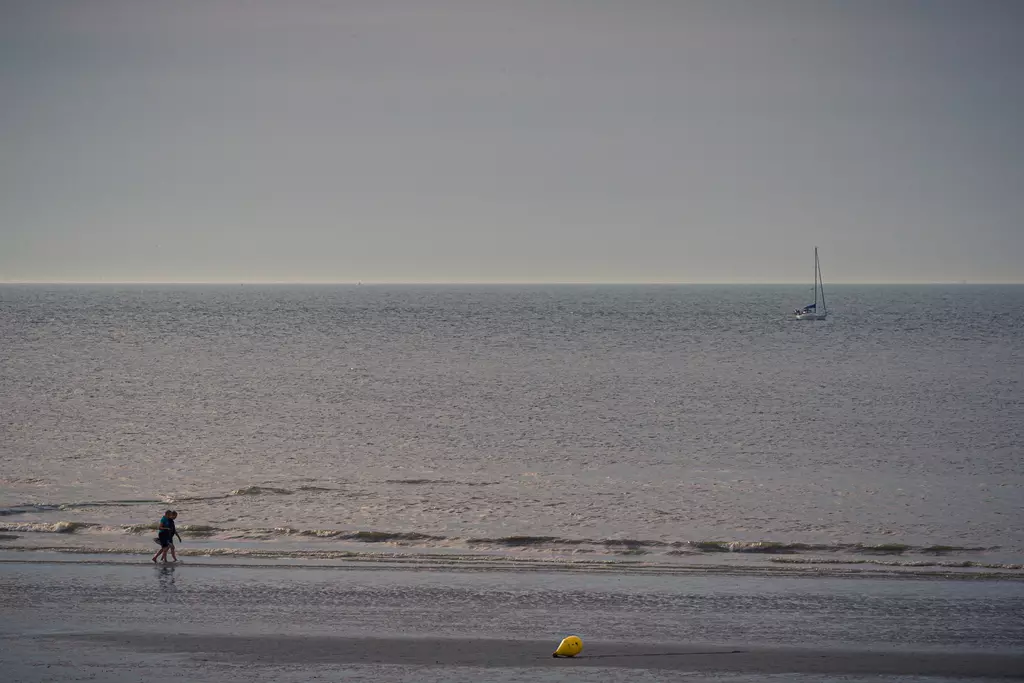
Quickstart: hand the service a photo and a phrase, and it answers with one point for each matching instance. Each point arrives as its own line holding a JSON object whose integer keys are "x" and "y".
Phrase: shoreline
{"x": 415, "y": 559}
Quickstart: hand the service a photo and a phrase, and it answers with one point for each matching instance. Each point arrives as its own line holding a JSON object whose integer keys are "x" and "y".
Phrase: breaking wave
{"x": 840, "y": 552}
{"x": 259, "y": 490}
{"x": 252, "y": 490}
{"x": 46, "y": 527}
{"x": 335, "y": 534}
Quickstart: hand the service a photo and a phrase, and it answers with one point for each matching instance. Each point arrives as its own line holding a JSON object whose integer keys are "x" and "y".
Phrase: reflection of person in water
{"x": 167, "y": 579}
{"x": 165, "y": 536}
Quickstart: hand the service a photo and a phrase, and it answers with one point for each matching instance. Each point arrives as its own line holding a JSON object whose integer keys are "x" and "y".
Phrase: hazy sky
{"x": 552, "y": 140}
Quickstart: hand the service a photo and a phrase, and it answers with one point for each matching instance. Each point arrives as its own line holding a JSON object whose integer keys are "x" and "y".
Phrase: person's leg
{"x": 173, "y": 554}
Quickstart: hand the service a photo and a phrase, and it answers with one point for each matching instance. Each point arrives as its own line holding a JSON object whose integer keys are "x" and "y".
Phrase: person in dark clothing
{"x": 165, "y": 536}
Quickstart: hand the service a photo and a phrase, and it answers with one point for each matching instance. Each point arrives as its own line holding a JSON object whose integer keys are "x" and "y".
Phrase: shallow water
{"x": 78, "y": 621}
{"x": 655, "y": 422}
{"x": 840, "y": 613}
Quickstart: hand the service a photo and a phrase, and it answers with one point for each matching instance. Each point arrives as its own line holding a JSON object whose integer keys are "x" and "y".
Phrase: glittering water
{"x": 656, "y": 420}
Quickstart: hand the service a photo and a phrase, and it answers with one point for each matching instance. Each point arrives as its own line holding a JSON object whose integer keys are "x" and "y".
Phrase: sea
{"x": 645, "y": 428}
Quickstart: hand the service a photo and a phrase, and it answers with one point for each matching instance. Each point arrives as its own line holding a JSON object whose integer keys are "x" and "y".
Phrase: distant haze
{"x": 522, "y": 140}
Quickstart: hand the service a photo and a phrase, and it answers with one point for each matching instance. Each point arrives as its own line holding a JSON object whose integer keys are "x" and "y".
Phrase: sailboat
{"x": 811, "y": 311}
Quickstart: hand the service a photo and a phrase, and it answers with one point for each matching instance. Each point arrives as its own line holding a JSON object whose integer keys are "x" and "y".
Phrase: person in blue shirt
{"x": 165, "y": 536}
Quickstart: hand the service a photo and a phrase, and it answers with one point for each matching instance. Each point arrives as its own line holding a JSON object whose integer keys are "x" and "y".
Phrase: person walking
{"x": 165, "y": 536}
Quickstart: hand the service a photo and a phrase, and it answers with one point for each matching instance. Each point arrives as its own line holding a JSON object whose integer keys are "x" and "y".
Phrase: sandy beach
{"x": 268, "y": 652}
{"x": 116, "y": 619}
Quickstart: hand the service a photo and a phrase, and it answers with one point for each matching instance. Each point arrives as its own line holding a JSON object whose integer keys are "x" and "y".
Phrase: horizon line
{"x": 243, "y": 282}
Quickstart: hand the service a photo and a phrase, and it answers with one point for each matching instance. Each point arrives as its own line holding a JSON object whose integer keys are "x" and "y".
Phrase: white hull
{"x": 810, "y": 316}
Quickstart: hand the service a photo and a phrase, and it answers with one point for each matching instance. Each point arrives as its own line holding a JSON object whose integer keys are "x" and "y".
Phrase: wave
{"x": 29, "y": 508}
{"x": 46, "y": 527}
{"x": 385, "y": 536}
{"x": 964, "y": 564}
{"x": 192, "y": 529}
{"x": 519, "y": 541}
{"x": 334, "y": 534}
{"x": 259, "y": 490}
{"x": 758, "y": 547}
{"x": 611, "y": 545}
{"x": 419, "y": 482}
{"x": 252, "y": 490}
{"x": 338, "y": 559}
{"x": 639, "y": 546}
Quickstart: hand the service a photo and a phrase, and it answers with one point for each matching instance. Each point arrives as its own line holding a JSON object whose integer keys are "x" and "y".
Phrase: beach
{"x": 429, "y": 335}
{"x": 118, "y": 618}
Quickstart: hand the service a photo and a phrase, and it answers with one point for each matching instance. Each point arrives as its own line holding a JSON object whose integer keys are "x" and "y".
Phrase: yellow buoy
{"x": 569, "y": 647}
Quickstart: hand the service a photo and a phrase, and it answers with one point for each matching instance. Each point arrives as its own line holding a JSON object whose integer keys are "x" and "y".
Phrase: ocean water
{"x": 656, "y": 425}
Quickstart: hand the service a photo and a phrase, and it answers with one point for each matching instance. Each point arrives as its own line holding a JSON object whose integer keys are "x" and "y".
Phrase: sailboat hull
{"x": 810, "y": 316}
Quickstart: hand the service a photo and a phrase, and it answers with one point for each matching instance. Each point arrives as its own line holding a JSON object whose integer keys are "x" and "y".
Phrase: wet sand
{"x": 488, "y": 653}
{"x": 120, "y": 622}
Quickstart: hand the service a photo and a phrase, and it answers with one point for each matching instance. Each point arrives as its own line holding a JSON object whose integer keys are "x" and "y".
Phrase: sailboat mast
{"x": 815, "y": 279}
{"x": 821, "y": 282}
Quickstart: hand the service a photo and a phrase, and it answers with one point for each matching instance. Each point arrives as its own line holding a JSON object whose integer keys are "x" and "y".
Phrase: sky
{"x": 511, "y": 141}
